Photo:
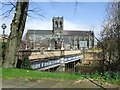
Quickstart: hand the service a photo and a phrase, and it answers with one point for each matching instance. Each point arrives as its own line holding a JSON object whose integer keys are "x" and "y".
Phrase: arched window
{"x": 56, "y": 23}
{"x": 61, "y": 24}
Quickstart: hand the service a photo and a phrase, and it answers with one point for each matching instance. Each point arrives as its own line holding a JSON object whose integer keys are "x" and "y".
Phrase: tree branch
{"x": 36, "y": 12}
{"x": 76, "y": 5}
{"x": 7, "y": 13}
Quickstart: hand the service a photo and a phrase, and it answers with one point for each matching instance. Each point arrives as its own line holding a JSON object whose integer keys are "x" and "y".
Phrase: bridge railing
{"x": 35, "y": 54}
{"x": 43, "y": 65}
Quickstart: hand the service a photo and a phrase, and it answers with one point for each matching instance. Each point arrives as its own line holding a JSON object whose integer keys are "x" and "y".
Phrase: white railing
{"x": 42, "y": 65}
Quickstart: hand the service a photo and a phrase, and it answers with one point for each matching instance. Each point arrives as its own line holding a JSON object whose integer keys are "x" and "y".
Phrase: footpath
{"x": 55, "y": 83}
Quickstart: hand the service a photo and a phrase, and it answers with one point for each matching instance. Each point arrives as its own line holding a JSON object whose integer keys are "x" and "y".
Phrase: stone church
{"x": 52, "y": 39}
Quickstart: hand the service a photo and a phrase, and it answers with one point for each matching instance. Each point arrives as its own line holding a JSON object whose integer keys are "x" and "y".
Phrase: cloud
{"x": 39, "y": 25}
{"x": 68, "y": 25}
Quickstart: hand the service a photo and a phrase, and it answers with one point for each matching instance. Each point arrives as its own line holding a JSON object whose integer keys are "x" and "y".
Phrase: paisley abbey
{"x": 57, "y": 37}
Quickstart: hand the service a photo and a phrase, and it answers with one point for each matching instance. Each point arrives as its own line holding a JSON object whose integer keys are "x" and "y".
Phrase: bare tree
{"x": 17, "y": 28}
{"x": 111, "y": 36}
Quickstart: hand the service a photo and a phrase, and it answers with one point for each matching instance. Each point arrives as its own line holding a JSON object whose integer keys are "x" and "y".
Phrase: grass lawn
{"x": 9, "y": 73}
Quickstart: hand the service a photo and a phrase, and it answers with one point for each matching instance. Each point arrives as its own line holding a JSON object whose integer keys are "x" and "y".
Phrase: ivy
{"x": 25, "y": 63}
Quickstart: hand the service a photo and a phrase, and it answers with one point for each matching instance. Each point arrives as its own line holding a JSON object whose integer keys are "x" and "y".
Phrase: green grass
{"x": 9, "y": 73}
{"x": 95, "y": 49}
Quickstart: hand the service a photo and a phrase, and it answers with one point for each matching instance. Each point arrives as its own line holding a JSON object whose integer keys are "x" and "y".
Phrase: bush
{"x": 26, "y": 63}
{"x": 117, "y": 75}
{"x": 96, "y": 75}
{"x": 78, "y": 73}
{"x": 108, "y": 76}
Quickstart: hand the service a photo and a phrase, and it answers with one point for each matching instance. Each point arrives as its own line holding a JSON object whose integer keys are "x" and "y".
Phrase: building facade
{"x": 53, "y": 39}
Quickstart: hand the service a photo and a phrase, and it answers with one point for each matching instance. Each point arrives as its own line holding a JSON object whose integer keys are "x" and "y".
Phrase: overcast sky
{"x": 86, "y": 16}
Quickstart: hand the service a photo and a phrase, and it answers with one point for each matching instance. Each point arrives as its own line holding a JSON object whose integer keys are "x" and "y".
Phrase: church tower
{"x": 57, "y": 25}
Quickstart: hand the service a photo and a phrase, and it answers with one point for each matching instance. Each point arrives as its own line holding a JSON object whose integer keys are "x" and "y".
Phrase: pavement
{"x": 56, "y": 83}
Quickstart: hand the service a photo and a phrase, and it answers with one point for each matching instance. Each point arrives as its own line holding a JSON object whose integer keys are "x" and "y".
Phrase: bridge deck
{"x": 47, "y": 54}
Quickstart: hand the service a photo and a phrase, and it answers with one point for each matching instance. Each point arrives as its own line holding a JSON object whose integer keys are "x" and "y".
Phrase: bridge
{"x": 50, "y": 58}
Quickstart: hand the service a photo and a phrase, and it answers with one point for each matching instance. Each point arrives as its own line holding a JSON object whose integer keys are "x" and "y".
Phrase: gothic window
{"x": 56, "y": 24}
{"x": 61, "y": 24}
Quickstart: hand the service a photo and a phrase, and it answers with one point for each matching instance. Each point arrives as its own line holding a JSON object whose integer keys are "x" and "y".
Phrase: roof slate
{"x": 43, "y": 32}
{"x": 77, "y": 33}
{"x": 66, "y": 32}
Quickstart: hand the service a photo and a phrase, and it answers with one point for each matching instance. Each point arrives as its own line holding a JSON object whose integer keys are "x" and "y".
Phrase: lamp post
{"x": 62, "y": 62}
{"x": 3, "y": 27}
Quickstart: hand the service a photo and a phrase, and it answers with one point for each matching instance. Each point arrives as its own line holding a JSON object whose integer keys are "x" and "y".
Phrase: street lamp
{"x": 62, "y": 62}
{"x": 3, "y": 27}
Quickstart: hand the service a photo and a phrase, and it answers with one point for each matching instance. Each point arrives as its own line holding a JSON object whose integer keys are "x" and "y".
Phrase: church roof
{"x": 77, "y": 33}
{"x": 66, "y": 32}
{"x": 43, "y": 32}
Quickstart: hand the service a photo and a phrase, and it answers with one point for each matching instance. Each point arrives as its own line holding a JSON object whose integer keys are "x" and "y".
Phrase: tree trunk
{"x": 17, "y": 28}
